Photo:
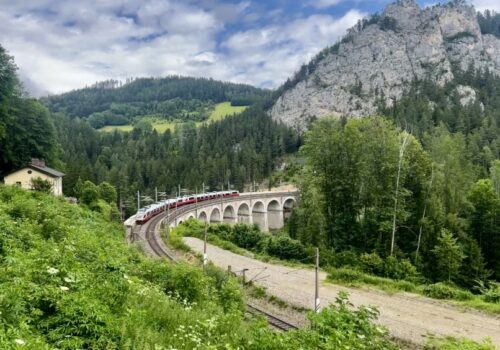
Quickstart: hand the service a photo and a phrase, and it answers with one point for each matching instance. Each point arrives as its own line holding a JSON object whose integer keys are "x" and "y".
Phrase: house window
{"x": 18, "y": 183}
{"x": 29, "y": 171}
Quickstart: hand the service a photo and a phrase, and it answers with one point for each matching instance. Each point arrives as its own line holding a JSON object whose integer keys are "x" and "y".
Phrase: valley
{"x": 358, "y": 138}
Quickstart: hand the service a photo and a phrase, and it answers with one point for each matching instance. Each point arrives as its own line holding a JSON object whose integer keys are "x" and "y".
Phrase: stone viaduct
{"x": 266, "y": 209}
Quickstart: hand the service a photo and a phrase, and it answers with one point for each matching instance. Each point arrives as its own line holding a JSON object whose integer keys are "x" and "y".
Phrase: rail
{"x": 159, "y": 249}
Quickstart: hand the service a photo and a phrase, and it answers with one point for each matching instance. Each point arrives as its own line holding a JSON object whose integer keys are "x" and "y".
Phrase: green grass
{"x": 111, "y": 128}
{"x": 221, "y": 111}
{"x": 460, "y": 297}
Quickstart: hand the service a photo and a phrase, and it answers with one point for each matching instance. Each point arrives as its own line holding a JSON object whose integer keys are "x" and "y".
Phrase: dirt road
{"x": 407, "y": 316}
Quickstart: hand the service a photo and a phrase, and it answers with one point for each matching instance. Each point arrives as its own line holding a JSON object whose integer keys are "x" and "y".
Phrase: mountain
{"x": 381, "y": 55}
{"x": 169, "y": 98}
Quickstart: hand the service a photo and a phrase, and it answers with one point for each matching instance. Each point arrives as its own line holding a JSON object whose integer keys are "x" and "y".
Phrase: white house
{"x": 37, "y": 169}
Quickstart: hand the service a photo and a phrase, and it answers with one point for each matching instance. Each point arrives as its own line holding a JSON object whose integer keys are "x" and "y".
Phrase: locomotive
{"x": 145, "y": 214}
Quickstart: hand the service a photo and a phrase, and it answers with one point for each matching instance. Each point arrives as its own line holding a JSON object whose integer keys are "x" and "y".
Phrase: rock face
{"x": 381, "y": 55}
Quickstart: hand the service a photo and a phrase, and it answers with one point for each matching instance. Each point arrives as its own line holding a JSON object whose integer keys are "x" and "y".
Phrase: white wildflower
{"x": 20, "y": 342}
{"x": 52, "y": 270}
{"x": 69, "y": 280}
{"x": 64, "y": 288}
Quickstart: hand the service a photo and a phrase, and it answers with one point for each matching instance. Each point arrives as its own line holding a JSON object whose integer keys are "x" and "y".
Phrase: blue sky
{"x": 61, "y": 45}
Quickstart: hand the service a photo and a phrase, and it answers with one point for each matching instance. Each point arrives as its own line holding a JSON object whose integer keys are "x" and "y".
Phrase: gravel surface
{"x": 407, "y": 316}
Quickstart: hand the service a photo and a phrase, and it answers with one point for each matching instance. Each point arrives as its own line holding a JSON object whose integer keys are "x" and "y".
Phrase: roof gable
{"x": 44, "y": 170}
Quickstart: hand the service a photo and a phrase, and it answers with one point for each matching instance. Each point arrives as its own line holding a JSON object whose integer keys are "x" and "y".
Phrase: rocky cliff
{"x": 381, "y": 55}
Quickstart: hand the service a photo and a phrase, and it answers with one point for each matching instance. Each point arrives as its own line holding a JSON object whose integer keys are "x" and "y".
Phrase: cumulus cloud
{"x": 62, "y": 45}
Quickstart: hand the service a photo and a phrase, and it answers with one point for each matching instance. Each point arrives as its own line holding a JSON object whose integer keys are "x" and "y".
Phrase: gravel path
{"x": 407, "y": 316}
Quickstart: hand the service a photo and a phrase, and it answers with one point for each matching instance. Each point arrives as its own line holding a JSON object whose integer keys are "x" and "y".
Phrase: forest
{"x": 416, "y": 189}
{"x": 170, "y": 98}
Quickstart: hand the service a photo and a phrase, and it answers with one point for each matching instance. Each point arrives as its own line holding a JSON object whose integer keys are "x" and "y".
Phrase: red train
{"x": 146, "y": 213}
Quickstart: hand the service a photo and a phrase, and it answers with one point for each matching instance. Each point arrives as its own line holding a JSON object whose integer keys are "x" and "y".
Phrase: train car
{"x": 145, "y": 214}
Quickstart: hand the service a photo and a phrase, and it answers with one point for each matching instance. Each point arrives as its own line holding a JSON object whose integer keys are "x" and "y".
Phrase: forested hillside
{"x": 170, "y": 98}
{"x": 26, "y": 129}
{"x": 235, "y": 151}
{"x": 418, "y": 187}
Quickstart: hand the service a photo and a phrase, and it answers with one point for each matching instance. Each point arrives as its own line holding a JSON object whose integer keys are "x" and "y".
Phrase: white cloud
{"x": 324, "y": 3}
{"x": 482, "y": 5}
{"x": 271, "y": 54}
{"x": 63, "y": 45}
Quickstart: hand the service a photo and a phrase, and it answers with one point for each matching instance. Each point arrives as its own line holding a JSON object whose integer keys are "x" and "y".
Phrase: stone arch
{"x": 191, "y": 216}
{"x": 180, "y": 222}
{"x": 215, "y": 216}
{"x": 274, "y": 215}
{"x": 288, "y": 205}
{"x": 202, "y": 216}
{"x": 244, "y": 214}
{"x": 229, "y": 215}
{"x": 258, "y": 207}
{"x": 273, "y": 205}
{"x": 259, "y": 215}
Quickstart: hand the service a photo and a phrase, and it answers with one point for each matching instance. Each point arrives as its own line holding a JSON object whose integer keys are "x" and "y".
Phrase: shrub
{"x": 442, "y": 290}
{"x": 399, "y": 269}
{"x": 492, "y": 293}
{"x": 247, "y": 237}
{"x": 346, "y": 258}
{"x": 283, "y": 247}
{"x": 372, "y": 263}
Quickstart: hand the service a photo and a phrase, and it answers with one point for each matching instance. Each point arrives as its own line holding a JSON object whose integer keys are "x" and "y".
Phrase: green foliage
{"x": 26, "y": 129}
{"x": 41, "y": 185}
{"x": 489, "y": 22}
{"x": 237, "y": 149}
{"x": 372, "y": 263}
{"x": 107, "y": 192}
{"x": 88, "y": 290}
{"x": 170, "y": 98}
{"x": 449, "y": 255}
{"x": 90, "y": 193}
{"x": 490, "y": 294}
{"x": 348, "y": 329}
{"x": 283, "y": 247}
{"x": 451, "y": 343}
{"x": 442, "y": 290}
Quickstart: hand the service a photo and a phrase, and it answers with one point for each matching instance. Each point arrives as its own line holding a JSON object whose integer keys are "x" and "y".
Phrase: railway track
{"x": 153, "y": 240}
{"x": 272, "y": 320}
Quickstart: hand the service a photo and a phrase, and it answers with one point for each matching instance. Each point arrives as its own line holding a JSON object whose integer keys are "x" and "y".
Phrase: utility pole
{"x": 203, "y": 188}
{"x": 316, "y": 284}
{"x": 156, "y": 194}
{"x": 179, "y": 190}
{"x": 205, "y": 256}
{"x": 138, "y": 201}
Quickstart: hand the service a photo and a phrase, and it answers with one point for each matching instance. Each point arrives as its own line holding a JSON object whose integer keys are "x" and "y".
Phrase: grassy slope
{"x": 221, "y": 111}
{"x": 69, "y": 281}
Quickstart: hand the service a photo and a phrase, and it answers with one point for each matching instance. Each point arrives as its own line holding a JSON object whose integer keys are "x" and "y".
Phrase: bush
{"x": 283, "y": 247}
{"x": 442, "y": 290}
{"x": 347, "y": 258}
{"x": 399, "y": 269}
{"x": 248, "y": 237}
{"x": 492, "y": 293}
{"x": 372, "y": 263}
